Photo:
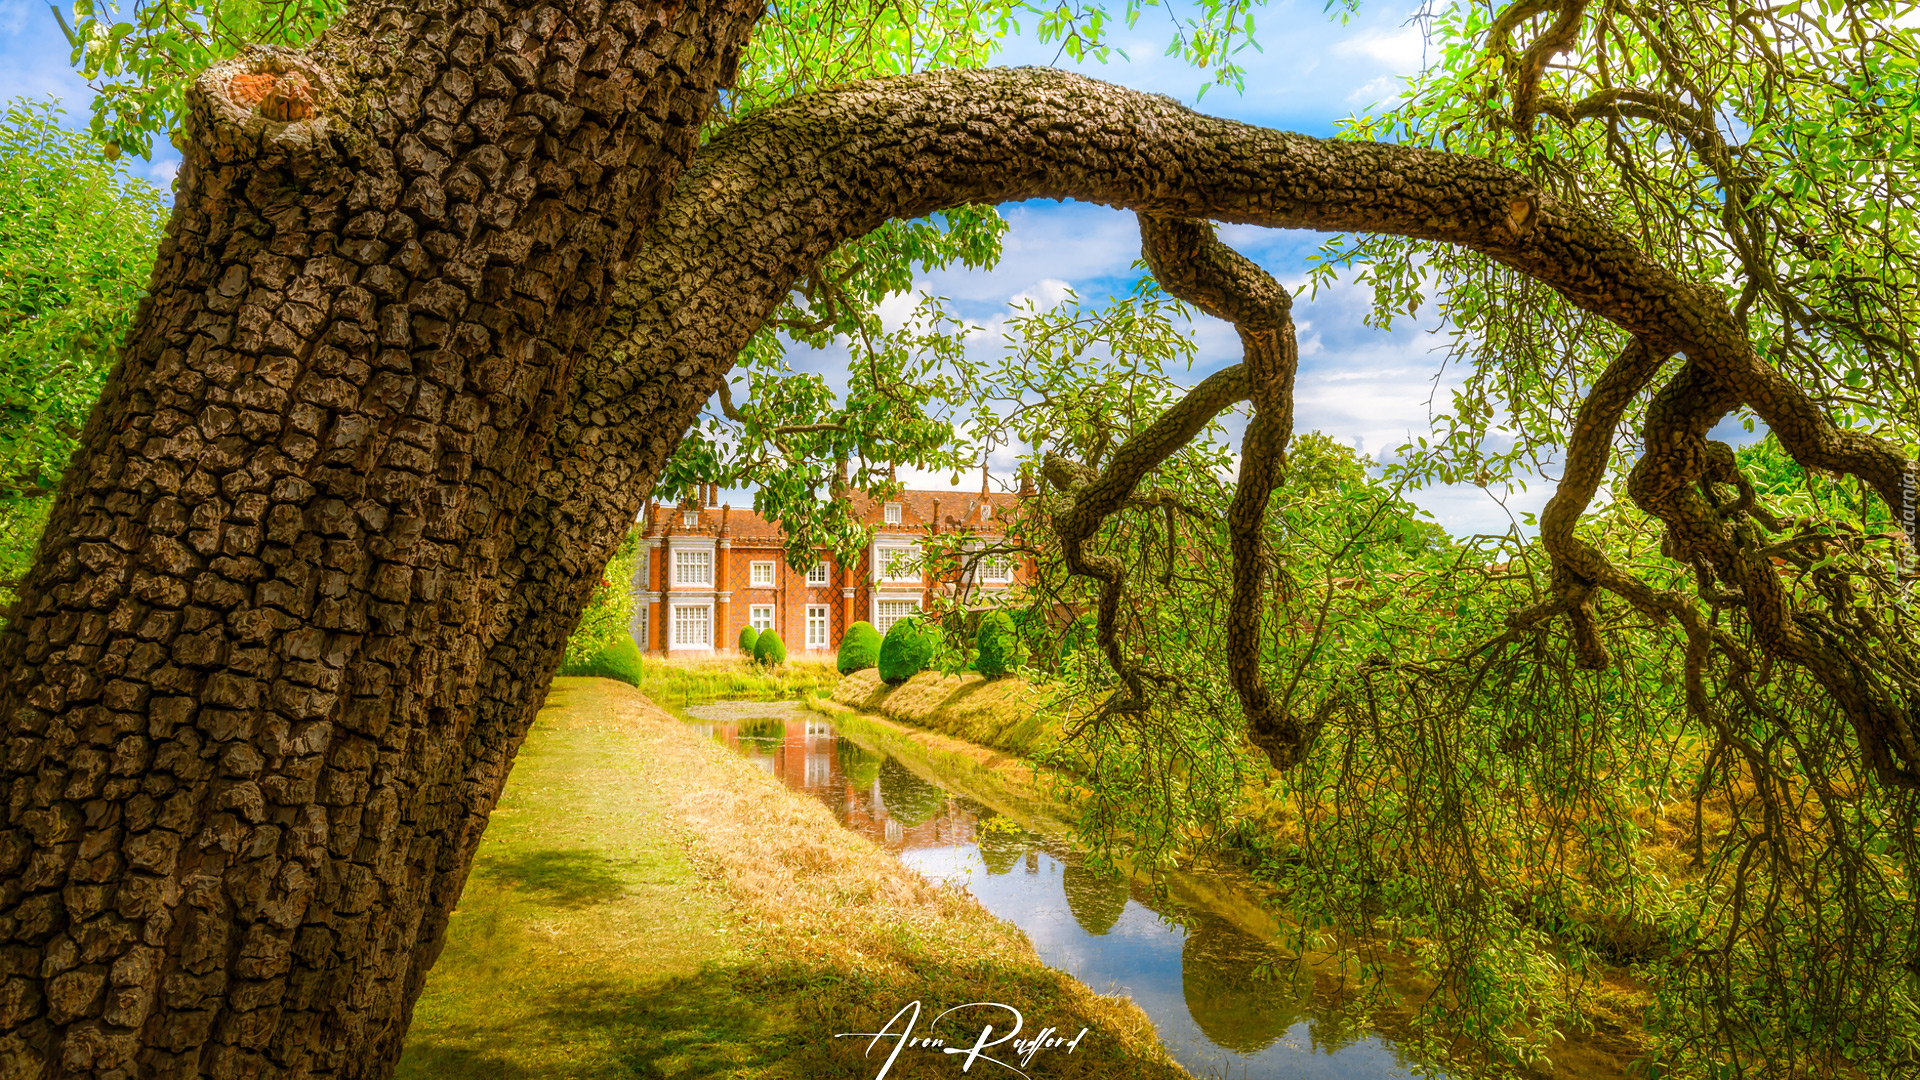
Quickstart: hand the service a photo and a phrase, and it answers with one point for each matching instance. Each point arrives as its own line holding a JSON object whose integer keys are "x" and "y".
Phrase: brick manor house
{"x": 706, "y": 571}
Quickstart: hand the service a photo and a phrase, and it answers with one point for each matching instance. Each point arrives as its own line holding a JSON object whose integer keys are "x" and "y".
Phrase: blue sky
{"x": 1367, "y": 388}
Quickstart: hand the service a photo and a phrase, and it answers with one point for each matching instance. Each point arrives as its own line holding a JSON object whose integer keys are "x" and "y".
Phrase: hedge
{"x": 905, "y": 651}
{"x": 859, "y": 648}
{"x": 999, "y": 645}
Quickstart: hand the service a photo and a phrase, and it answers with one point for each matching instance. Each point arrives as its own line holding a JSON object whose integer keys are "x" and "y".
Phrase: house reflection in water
{"x": 1224, "y": 1002}
{"x": 875, "y": 796}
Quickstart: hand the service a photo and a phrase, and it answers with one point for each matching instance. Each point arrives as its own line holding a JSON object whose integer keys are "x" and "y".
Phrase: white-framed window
{"x": 693, "y": 625}
{"x": 690, "y": 519}
{"x": 693, "y": 568}
{"x": 760, "y": 617}
{"x": 819, "y": 622}
{"x": 888, "y": 612}
{"x": 986, "y": 511}
{"x": 995, "y": 568}
{"x": 639, "y": 628}
{"x": 760, "y": 575}
{"x": 896, "y": 562}
{"x": 817, "y": 573}
{"x": 893, "y": 513}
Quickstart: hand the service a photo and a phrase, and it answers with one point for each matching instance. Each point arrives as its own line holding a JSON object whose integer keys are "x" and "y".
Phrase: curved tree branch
{"x": 766, "y": 200}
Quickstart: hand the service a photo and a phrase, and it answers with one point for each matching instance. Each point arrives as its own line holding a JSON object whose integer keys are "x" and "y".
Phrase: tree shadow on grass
{"x": 425, "y": 1058}
{"x": 571, "y": 878}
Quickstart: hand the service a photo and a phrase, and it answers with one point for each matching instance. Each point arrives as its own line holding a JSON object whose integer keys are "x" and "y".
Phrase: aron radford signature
{"x": 1021, "y": 1050}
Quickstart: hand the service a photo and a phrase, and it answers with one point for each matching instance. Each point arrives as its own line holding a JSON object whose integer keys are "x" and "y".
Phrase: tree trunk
{"x": 296, "y": 604}
{"x": 343, "y": 500}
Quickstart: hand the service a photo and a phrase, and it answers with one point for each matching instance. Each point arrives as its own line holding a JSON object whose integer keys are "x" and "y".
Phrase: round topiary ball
{"x": 748, "y": 635}
{"x": 859, "y": 648}
{"x": 999, "y": 645}
{"x": 769, "y": 649}
{"x": 905, "y": 650}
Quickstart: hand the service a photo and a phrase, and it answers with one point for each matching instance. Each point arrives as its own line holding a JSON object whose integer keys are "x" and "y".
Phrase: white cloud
{"x": 1404, "y": 51}
{"x": 1044, "y": 293}
{"x": 1383, "y": 92}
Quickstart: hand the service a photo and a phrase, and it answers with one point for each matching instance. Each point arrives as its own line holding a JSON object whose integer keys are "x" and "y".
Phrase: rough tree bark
{"x": 294, "y": 608}
{"x": 367, "y": 451}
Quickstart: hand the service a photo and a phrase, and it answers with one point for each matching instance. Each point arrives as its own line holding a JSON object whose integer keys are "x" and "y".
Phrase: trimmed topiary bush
{"x": 999, "y": 645}
{"x": 748, "y": 636}
{"x": 770, "y": 650}
{"x": 905, "y": 650}
{"x": 859, "y": 648}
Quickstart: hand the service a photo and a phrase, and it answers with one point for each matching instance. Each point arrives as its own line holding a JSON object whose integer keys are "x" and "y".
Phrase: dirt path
{"x": 646, "y": 904}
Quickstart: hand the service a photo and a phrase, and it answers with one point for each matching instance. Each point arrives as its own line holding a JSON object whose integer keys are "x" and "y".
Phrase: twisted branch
{"x": 1193, "y": 265}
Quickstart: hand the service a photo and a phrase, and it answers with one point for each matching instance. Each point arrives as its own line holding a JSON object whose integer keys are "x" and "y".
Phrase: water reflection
{"x": 869, "y": 792}
{"x": 1239, "y": 992}
{"x": 1224, "y": 1002}
{"x": 1095, "y": 898}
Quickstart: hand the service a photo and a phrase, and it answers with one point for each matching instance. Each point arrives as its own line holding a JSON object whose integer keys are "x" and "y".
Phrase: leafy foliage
{"x": 608, "y": 617}
{"x": 77, "y": 239}
{"x": 906, "y": 651}
{"x": 859, "y": 648}
{"x": 1766, "y": 151}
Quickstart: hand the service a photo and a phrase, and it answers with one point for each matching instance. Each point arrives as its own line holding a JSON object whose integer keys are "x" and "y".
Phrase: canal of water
{"x": 1208, "y": 984}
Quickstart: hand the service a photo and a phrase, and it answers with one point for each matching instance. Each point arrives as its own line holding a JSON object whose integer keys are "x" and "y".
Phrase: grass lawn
{"x": 646, "y": 904}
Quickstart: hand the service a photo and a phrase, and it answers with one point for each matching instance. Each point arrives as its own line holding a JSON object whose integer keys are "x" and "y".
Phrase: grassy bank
{"x": 1009, "y": 715}
{"x": 646, "y": 904}
{"x": 674, "y": 684}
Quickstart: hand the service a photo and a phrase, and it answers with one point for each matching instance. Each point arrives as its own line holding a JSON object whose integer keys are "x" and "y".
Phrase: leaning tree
{"x": 440, "y": 297}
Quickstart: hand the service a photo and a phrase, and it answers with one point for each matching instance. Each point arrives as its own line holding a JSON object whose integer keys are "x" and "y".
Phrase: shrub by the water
{"x": 905, "y": 650}
{"x": 748, "y": 636}
{"x": 999, "y": 645}
{"x": 770, "y": 650}
{"x": 859, "y": 648}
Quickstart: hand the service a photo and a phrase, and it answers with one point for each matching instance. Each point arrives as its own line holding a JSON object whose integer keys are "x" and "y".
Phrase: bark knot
{"x": 283, "y": 97}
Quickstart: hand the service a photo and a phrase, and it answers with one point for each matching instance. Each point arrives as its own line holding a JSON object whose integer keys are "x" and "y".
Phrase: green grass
{"x": 678, "y": 683}
{"x": 575, "y": 918}
{"x": 675, "y": 684}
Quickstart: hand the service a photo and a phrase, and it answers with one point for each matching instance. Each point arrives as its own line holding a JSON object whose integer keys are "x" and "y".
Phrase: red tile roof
{"x": 956, "y": 510}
